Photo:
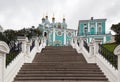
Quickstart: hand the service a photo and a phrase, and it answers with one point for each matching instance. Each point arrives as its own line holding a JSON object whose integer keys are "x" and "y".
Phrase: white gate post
{"x": 37, "y": 43}
{"x": 97, "y": 41}
{"x": 91, "y": 48}
{"x": 117, "y": 52}
{"x": 82, "y": 42}
{"x": 24, "y": 41}
{"x": 4, "y": 49}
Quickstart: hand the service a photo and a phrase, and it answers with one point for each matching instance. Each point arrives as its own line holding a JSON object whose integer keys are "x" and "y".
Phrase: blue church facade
{"x": 56, "y": 33}
{"x": 93, "y": 28}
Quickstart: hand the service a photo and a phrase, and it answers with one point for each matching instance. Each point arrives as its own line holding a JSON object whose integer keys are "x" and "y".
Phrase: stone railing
{"x": 95, "y": 56}
{"x": 8, "y": 73}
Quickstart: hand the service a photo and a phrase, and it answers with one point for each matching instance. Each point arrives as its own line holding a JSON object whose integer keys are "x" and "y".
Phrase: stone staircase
{"x": 58, "y": 64}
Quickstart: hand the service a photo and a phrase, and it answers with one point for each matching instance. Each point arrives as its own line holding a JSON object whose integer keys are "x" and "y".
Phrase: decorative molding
{"x": 4, "y": 48}
{"x": 117, "y": 50}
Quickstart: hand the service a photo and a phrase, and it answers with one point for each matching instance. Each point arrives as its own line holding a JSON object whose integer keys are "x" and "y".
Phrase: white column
{"x": 28, "y": 48}
{"x": 96, "y": 46}
{"x": 24, "y": 41}
{"x": 119, "y": 67}
{"x": 53, "y": 34}
{"x": 71, "y": 42}
{"x": 91, "y": 47}
{"x": 27, "y": 55}
{"x": 64, "y": 37}
{"x": 37, "y": 43}
{"x": 4, "y": 49}
{"x": 117, "y": 52}
{"x": 96, "y": 27}
{"x": 82, "y": 42}
{"x": 75, "y": 40}
{"x": 104, "y": 39}
{"x": 88, "y": 27}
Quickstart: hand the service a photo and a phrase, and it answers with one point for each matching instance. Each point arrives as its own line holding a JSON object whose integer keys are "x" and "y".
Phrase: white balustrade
{"x": 93, "y": 56}
{"x": 7, "y": 74}
{"x": 4, "y": 49}
{"x": 117, "y": 52}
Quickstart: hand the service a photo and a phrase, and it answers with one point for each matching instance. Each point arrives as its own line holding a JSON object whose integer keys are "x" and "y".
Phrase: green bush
{"x": 110, "y": 46}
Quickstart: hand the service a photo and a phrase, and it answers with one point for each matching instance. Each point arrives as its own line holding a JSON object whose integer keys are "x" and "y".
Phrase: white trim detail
{"x": 88, "y": 27}
{"x": 96, "y": 28}
{"x": 53, "y": 34}
{"x": 64, "y": 37}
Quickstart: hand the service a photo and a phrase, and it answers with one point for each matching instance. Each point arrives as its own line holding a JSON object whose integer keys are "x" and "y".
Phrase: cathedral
{"x": 56, "y": 33}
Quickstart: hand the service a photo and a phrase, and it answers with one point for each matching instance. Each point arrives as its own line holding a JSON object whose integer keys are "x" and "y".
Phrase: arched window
{"x": 45, "y": 34}
{"x": 99, "y": 29}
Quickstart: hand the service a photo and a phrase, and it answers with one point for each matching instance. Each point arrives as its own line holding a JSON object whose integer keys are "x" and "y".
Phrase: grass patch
{"x": 110, "y": 46}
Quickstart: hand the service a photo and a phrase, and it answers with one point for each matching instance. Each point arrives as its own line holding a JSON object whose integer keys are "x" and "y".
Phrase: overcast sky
{"x": 16, "y": 14}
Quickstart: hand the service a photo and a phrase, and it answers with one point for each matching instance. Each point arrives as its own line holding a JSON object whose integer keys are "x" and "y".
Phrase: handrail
{"x": 109, "y": 56}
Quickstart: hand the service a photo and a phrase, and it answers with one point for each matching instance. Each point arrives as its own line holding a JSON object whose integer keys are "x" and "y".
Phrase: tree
{"x": 3, "y": 37}
{"x": 116, "y": 29}
{"x": 10, "y": 35}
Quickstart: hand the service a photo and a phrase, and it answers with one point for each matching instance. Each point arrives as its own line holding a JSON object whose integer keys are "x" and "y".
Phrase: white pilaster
{"x": 64, "y": 37}
{"x": 37, "y": 43}
{"x": 96, "y": 27}
{"x": 4, "y": 49}
{"x": 27, "y": 55}
{"x": 82, "y": 42}
{"x": 104, "y": 39}
{"x": 91, "y": 46}
{"x": 117, "y": 52}
{"x": 96, "y": 47}
{"x": 24, "y": 41}
{"x": 53, "y": 34}
{"x": 88, "y": 27}
{"x": 28, "y": 48}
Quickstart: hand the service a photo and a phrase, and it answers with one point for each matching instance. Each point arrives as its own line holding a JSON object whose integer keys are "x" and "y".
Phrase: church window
{"x": 69, "y": 34}
{"x": 99, "y": 29}
{"x": 85, "y": 25}
{"x": 99, "y": 24}
{"x": 59, "y": 33}
{"x": 92, "y": 24}
{"x": 59, "y": 25}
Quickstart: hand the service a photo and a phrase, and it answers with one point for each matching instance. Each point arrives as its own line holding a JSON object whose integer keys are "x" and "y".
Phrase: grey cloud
{"x": 24, "y": 13}
{"x": 114, "y": 9}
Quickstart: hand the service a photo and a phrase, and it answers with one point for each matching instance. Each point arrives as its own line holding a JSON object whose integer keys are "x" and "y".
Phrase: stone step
{"x": 62, "y": 78}
{"x": 60, "y": 72}
{"x": 58, "y": 64}
{"x": 59, "y": 58}
{"x": 59, "y": 75}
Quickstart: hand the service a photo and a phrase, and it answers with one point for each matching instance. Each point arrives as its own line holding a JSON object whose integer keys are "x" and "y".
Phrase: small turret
{"x": 63, "y": 20}
{"x": 92, "y": 18}
{"x": 43, "y": 20}
{"x": 53, "y": 20}
{"x": 46, "y": 17}
{"x": 64, "y": 25}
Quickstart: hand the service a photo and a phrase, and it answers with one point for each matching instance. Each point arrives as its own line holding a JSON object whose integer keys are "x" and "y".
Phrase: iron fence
{"x": 15, "y": 49}
{"x": 32, "y": 46}
{"x": 86, "y": 46}
{"x": 109, "y": 56}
